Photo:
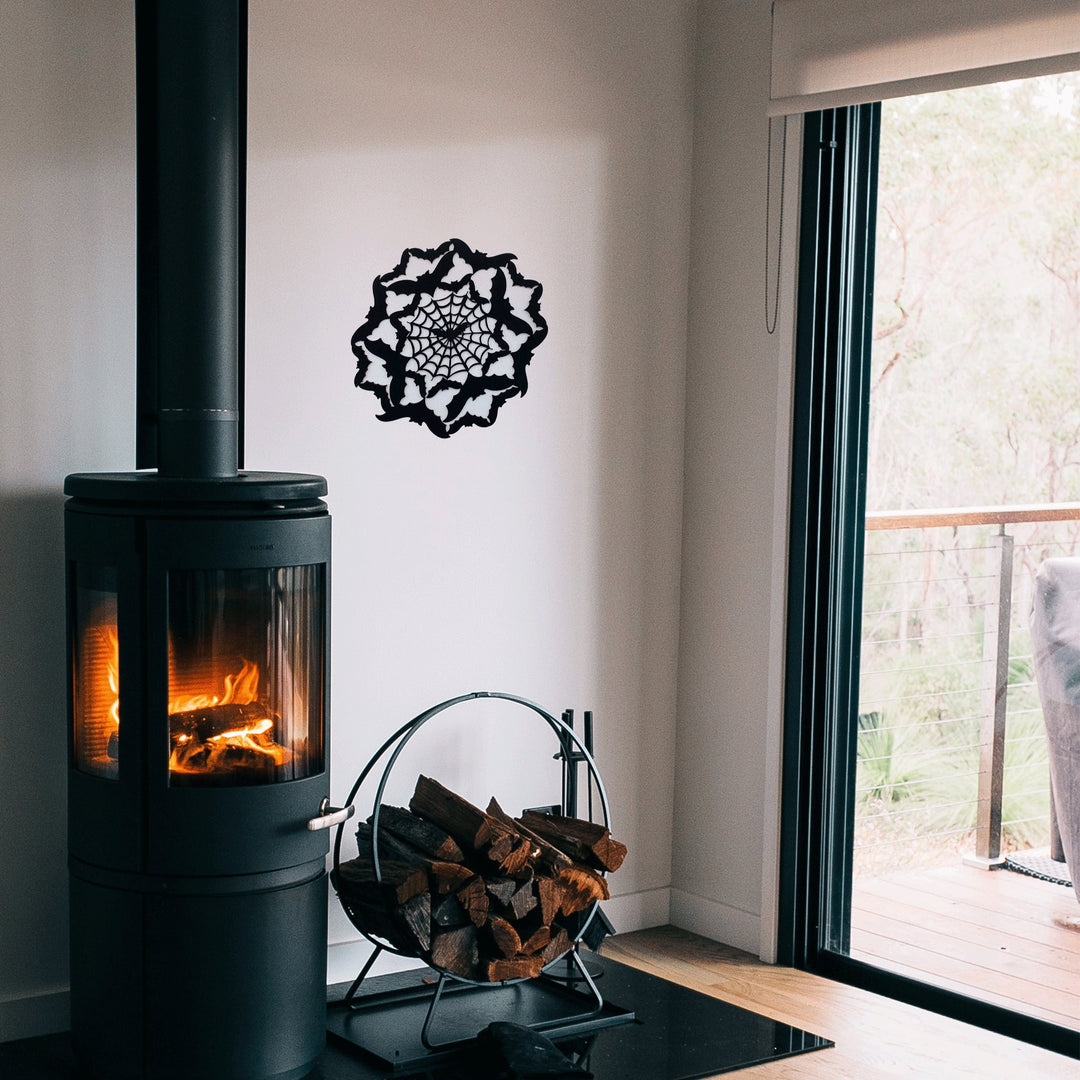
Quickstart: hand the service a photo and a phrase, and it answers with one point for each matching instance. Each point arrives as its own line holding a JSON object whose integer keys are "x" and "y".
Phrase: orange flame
{"x": 250, "y": 744}
{"x": 240, "y": 689}
{"x": 112, "y": 668}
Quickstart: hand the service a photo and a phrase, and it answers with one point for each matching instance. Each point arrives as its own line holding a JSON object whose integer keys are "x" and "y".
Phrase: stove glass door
{"x": 246, "y": 656}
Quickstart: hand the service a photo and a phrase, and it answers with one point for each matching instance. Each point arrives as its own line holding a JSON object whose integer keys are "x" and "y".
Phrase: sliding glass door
{"x": 937, "y": 415}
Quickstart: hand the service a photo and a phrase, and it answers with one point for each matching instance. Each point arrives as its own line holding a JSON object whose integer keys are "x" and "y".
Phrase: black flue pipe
{"x": 190, "y": 130}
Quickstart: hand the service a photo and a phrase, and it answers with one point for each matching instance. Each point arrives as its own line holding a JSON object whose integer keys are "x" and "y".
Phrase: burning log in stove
{"x": 476, "y": 893}
{"x": 227, "y": 738}
{"x": 233, "y": 739}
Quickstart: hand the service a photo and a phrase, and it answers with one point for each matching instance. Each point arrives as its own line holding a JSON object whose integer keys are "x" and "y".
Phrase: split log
{"x": 406, "y": 927}
{"x": 401, "y": 881}
{"x": 521, "y": 967}
{"x": 580, "y": 888}
{"x": 547, "y": 855}
{"x": 537, "y": 941}
{"x": 502, "y": 889}
{"x": 528, "y": 925}
{"x": 467, "y": 824}
{"x": 448, "y": 912}
{"x": 559, "y": 943}
{"x": 390, "y": 847}
{"x": 550, "y": 894}
{"x": 474, "y": 899}
{"x": 416, "y": 913}
{"x": 505, "y": 937}
{"x": 518, "y": 860}
{"x": 501, "y": 847}
{"x": 419, "y": 834}
{"x": 456, "y": 951}
{"x": 449, "y": 877}
{"x": 524, "y": 900}
{"x": 584, "y": 841}
{"x": 513, "y": 854}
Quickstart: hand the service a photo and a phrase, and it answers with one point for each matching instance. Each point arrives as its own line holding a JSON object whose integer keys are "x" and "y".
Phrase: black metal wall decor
{"x": 448, "y": 337}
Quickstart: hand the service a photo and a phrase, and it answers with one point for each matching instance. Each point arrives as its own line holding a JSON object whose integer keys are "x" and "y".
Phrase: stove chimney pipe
{"x": 191, "y": 103}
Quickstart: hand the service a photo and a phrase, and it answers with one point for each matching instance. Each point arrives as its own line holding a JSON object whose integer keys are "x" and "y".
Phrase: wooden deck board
{"x": 967, "y": 916}
{"x": 996, "y": 935}
{"x": 876, "y": 1038}
{"x": 958, "y": 928}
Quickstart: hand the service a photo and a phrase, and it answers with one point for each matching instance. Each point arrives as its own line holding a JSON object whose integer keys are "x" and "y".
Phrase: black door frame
{"x": 829, "y": 434}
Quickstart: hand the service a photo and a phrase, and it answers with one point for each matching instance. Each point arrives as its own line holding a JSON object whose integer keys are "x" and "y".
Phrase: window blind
{"x": 828, "y": 53}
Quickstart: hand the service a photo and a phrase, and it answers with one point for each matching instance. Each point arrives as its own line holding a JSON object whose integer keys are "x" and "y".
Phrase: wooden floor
{"x": 997, "y": 935}
{"x": 876, "y": 1038}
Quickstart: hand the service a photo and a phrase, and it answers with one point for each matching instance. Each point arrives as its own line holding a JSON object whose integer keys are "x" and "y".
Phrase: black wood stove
{"x": 198, "y": 627}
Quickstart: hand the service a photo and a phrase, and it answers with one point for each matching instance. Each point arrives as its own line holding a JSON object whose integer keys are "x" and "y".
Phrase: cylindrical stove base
{"x": 216, "y": 978}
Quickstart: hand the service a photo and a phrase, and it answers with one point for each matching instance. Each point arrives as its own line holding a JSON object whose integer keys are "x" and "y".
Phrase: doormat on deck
{"x": 1039, "y": 864}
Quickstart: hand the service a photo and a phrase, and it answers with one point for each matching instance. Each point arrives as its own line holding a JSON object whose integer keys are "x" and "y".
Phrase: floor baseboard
{"x": 716, "y": 921}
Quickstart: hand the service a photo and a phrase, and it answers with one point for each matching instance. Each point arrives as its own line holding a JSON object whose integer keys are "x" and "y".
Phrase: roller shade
{"x": 827, "y": 53}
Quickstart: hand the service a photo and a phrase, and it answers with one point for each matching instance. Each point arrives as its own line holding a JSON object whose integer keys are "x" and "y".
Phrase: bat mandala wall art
{"x": 449, "y": 336}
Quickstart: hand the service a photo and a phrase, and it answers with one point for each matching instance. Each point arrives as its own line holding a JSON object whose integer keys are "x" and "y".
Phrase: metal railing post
{"x": 995, "y": 700}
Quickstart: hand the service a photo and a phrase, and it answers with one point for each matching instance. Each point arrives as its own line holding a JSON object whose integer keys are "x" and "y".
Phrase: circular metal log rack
{"x": 575, "y": 970}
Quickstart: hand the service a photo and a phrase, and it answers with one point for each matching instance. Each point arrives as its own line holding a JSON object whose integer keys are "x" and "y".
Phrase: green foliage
{"x": 976, "y": 360}
{"x": 975, "y": 400}
{"x": 1025, "y": 807}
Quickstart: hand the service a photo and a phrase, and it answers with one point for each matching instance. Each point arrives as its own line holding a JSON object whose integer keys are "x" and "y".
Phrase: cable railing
{"x": 951, "y": 747}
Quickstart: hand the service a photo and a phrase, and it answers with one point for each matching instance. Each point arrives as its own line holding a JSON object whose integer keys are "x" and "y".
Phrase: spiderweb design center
{"x": 448, "y": 337}
{"x": 451, "y": 336}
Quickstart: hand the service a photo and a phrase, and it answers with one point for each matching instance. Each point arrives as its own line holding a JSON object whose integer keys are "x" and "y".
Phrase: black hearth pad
{"x": 678, "y": 1034}
{"x": 388, "y": 1024}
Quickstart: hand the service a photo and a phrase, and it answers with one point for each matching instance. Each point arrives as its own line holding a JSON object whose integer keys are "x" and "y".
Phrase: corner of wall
{"x": 737, "y": 479}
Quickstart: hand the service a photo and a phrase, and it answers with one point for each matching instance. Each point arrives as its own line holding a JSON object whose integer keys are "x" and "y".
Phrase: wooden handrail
{"x": 970, "y": 515}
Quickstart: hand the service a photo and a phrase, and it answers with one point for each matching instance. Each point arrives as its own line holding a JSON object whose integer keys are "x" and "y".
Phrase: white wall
{"x": 540, "y": 556}
{"x": 736, "y": 494}
{"x": 67, "y": 336}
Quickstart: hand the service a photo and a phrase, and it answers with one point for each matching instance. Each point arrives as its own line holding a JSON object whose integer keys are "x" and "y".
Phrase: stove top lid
{"x": 150, "y": 487}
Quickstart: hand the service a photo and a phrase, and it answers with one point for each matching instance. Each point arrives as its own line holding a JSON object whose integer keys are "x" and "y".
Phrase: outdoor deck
{"x": 996, "y": 935}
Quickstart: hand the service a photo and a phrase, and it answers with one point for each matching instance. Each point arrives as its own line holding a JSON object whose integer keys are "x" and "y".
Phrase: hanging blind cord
{"x": 771, "y": 316}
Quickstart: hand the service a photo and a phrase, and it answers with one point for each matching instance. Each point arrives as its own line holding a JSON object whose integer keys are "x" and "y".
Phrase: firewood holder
{"x": 565, "y": 979}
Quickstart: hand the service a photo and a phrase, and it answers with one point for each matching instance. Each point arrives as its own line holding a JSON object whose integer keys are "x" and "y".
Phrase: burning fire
{"x": 240, "y": 689}
{"x": 224, "y": 732}
{"x": 112, "y": 668}
{"x": 99, "y": 745}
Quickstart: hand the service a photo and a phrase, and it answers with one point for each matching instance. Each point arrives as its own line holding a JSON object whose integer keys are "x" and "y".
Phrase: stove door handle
{"x": 329, "y": 816}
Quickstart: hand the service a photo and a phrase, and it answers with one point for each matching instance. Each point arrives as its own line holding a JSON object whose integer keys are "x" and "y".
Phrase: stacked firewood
{"x": 476, "y": 893}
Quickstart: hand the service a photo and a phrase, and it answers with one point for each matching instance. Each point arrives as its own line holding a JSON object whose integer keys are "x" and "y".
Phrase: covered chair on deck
{"x": 1055, "y": 639}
